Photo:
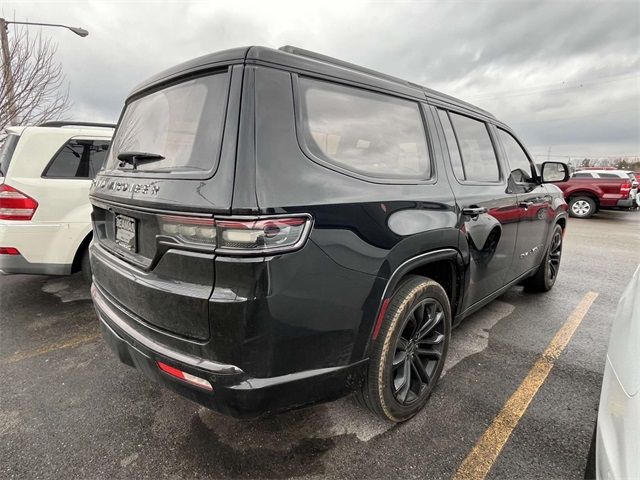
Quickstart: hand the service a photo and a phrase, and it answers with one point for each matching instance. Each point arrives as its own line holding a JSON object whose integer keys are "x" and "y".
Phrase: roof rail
{"x": 61, "y": 123}
{"x": 334, "y": 61}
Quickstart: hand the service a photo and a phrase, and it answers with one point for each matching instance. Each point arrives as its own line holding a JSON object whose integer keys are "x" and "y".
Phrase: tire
{"x": 582, "y": 207}
{"x": 85, "y": 267}
{"x": 545, "y": 277}
{"x": 409, "y": 351}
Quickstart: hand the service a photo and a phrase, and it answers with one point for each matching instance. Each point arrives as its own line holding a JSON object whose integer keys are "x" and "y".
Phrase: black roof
{"x": 302, "y": 60}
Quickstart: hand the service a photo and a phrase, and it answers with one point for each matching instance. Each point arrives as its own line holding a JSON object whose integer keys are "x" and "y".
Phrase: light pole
{"x": 6, "y": 60}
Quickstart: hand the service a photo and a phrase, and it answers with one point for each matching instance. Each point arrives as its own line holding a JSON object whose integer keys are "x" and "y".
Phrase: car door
{"x": 488, "y": 212}
{"x": 535, "y": 210}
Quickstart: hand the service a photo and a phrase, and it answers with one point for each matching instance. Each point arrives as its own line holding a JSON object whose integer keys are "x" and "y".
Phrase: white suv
{"x": 45, "y": 215}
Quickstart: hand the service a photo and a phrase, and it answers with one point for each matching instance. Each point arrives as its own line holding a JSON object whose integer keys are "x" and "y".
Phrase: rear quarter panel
{"x": 365, "y": 228}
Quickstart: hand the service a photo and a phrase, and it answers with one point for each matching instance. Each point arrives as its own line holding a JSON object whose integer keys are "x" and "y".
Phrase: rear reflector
{"x": 15, "y": 205}
{"x": 184, "y": 376}
{"x": 381, "y": 314}
{"x": 9, "y": 251}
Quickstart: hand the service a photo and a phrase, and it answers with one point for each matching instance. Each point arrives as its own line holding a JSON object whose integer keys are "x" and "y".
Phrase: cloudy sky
{"x": 565, "y": 75}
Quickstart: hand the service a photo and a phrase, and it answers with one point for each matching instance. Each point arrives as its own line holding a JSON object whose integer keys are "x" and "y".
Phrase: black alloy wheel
{"x": 547, "y": 273}
{"x": 418, "y": 351}
{"x": 409, "y": 351}
{"x": 555, "y": 253}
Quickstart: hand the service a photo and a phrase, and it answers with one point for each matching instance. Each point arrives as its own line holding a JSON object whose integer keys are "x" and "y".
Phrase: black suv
{"x": 276, "y": 228}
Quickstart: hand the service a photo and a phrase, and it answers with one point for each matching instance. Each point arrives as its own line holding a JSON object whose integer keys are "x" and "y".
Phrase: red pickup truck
{"x": 588, "y": 191}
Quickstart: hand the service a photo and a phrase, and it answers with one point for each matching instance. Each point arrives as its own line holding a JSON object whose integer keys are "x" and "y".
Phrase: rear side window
{"x": 78, "y": 159}
{"x": 6, "y": 152}
{"x": 469, "y": 140}
{"x": 369, "y": 133}
{"x": 608, "y": 175}
{"x": 522, "y": 170}
{"x": 183, "y": 123}
{"x": 582, "y": 175}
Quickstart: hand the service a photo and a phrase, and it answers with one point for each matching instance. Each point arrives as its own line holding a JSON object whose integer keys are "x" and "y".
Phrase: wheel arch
{"x": 445, "y": 266}
{"x": 77, "y": 258}
{"x": 584, "y": 193}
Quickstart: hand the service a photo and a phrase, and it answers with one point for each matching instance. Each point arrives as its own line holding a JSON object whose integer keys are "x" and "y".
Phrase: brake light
{"x": 9, "y": 251}
{"x": 184, "y": 376}
{"x": 15, "y": 205}
{"x": 240, "y": 236}
{"x": 625, "y": 189}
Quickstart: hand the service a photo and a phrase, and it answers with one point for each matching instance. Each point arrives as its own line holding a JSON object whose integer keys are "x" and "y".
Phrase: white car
{"x": 617, "y": 441}
{"x": 45, "y": 215}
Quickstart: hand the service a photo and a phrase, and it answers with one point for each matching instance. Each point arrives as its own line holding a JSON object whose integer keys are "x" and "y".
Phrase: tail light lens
{"x": 190, "y": 229}
{"x": 625, "y": 189}
{"x": 15, "y": 205}
{"x": 9, "y": 251}
{"x": 240, "y": 236}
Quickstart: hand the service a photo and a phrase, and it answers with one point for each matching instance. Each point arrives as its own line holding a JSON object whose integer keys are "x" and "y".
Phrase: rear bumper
{"x": 234, "y": 392}
{"x": 626, "y": 203}
{"x": 19, "y": 264}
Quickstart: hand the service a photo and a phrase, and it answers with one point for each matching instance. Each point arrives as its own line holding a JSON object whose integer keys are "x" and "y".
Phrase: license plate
{"x": 126, "y": 232}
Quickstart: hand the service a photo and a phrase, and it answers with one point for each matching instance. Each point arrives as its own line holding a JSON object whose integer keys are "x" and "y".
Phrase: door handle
{"x": 525, "y": 204}
{"x": 474, "y": 211}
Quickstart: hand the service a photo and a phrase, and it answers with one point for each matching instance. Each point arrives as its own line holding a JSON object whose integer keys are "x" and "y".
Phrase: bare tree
{"x": 39, "y": 85}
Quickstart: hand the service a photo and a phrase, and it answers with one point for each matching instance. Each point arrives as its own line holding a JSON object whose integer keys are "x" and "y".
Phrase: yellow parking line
{"x": 72, "y": 342}
{"x": 480, "y": 460}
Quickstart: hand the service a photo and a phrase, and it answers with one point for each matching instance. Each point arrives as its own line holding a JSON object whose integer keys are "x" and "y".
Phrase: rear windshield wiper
{"x": 135, "y": 158}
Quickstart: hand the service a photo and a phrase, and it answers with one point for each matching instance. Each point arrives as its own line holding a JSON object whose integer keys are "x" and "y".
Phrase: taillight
{"x": 625, "y": 189}
{"x": 240, "y": 235}
{"x": 189, "y": 229}
{"x": 9, "y": 251}
{"x": 15, "y": 205}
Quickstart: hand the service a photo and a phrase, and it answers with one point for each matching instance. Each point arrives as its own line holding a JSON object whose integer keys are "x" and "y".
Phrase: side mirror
{"x": 554, "y": 172}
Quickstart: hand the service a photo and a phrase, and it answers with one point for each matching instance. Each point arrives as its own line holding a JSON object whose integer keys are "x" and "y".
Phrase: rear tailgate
{"x": 192, "y": 124}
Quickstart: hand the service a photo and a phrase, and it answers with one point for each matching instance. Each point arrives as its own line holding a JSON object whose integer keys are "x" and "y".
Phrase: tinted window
{"x": 183, "y": 123}
{"x": 452, "y": 145}
{"x": 78, "y": 159}
{"x": 521, "y": 168}
{"x": 608, "y": 175}
{"x": 582, "y": 175}
{"x": 478, "y": 156}
{"x": 369, "y": 133}
{"x": 6, "y": 152}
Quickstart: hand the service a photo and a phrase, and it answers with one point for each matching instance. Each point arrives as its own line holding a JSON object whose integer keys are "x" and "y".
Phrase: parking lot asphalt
{"x": 69, "y": 409}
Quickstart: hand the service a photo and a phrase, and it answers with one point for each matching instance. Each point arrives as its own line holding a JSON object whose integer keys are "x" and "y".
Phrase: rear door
{"x": 535, "y": 210}
{"x": 488, "y": 211}
{"x": 67, "y": 177}
{"x": 152, "y": 220}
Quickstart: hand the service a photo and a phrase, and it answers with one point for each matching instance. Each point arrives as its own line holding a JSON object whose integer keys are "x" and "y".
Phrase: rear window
{"x": 183, "y": 123}
{"x": 6, "y": 152}
{"x": 608, "y": 175}
{"x": 369, "y": 133}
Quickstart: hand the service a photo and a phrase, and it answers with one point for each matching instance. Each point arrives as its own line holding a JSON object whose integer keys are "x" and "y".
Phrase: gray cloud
{"x": 563, "y": 74}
